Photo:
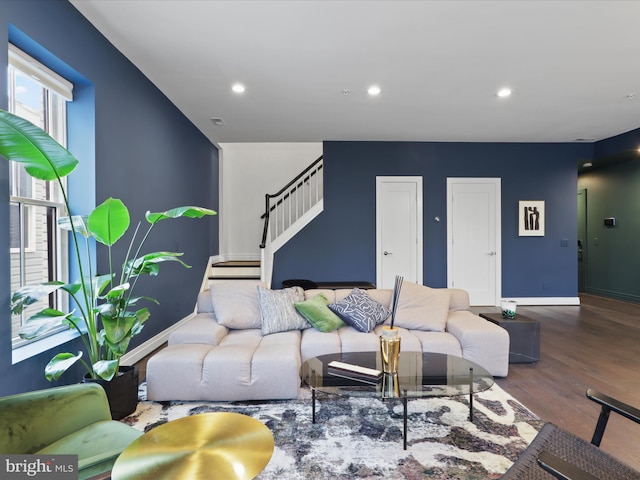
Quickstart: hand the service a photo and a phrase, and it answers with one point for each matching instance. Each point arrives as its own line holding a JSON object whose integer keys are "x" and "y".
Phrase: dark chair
{"x": 556, "y": 453}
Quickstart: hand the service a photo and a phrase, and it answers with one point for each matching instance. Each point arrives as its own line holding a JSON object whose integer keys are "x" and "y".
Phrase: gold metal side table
{"x": 205, "y": 446}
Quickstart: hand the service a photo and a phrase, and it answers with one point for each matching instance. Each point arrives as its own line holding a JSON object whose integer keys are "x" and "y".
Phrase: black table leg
{"x": 471, "y": 394}
{"x": 313, "y": 405}
{"x": 404, "y": 404}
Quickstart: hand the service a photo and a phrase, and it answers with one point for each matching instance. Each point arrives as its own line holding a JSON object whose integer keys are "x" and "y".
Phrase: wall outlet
{"x": 545, "y": 285}
{"x": 564, "y": 242}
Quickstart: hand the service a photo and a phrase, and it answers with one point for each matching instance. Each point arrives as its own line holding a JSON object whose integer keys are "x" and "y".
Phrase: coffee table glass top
{"x": 419, "y": 375}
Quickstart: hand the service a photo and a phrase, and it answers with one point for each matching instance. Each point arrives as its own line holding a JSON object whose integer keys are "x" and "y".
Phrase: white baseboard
{"x": 545, "y": 300}
{"x": 135, "y": 355}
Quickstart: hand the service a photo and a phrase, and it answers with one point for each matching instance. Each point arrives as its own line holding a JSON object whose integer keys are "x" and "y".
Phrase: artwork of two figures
{"x": 531, "y": 218}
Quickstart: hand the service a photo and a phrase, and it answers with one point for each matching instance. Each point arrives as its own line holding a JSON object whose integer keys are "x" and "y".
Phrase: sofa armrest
{"x": 482, "y": 342}
{"x": 202, "y": 328}
{"x": 459, "y": 299}
{"x": 27, "y": 419}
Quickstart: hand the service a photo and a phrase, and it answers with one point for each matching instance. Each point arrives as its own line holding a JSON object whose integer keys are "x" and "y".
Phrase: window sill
{"x": 32, "y": 349}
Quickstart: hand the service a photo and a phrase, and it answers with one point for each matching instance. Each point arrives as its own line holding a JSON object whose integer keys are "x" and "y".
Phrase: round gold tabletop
{"x": 218, "y": 445}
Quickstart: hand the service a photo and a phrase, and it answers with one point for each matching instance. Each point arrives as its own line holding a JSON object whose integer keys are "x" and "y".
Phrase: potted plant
{"x": 105, "y": 311}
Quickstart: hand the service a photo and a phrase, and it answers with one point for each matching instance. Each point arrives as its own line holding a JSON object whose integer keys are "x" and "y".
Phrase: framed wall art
{"x": 531, "y": 218}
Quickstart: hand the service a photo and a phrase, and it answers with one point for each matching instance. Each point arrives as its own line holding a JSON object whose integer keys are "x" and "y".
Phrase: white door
{"x": 398, "y": 230}
{"x": 473, "y": 238}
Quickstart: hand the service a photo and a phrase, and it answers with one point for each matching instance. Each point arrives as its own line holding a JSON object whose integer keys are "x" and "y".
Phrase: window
{"x": 38, "y": 251}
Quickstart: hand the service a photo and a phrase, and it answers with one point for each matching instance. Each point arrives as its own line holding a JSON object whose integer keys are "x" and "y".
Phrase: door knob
{"x": 387, "y": 253}
{"x": 492, "y": 253}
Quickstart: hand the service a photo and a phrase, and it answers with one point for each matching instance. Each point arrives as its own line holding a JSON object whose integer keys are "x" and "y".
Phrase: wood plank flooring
{"x": 597, "y": 345}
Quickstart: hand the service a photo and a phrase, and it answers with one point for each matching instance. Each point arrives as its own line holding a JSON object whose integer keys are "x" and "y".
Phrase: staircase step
{"x": 235, "y": 270}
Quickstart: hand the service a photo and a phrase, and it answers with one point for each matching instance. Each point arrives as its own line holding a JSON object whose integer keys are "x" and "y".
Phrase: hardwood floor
{"x": 597, "y": 345}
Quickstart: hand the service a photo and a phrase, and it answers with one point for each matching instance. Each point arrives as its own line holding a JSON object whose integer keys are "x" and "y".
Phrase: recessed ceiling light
{"x": 504, "y": 92}
{"x": 217, "y": 121}
{"x": 374, "y": 90}
{"x": 238, "y": 88}
{"x": 587, "y": 164}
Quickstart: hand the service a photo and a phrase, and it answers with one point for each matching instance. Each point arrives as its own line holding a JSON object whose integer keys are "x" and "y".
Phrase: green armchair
{"x": 74, "y": 419}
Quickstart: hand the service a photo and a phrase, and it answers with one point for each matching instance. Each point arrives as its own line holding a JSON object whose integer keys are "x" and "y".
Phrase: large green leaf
{"x": 132, "y": 301}
{"x": 105, "y": 369}
{"x": 109, "y": 221}
{"x": 100, "y": 282}
{"x": 59, "y": 364}
{"x": 117, "y": 291}
{"x": 189, "y": 212}
{"x": 116, "y": 329}
{"x": 120, "y": 348}
{"x": 72, "y": 288}
{"x": 30, "y": 294}
{"x": 41, "y": 156}
{"x": 148, "y": 264}
{"x": 42, "y": 322}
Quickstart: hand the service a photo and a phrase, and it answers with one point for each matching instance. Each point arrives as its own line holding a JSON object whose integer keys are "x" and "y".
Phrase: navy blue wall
{"x": 340, "y": 243}
{"x": 146, "y": 153}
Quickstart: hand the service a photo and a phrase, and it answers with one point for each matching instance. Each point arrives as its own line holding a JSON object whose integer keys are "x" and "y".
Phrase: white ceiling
{"x": 572, "y": 65}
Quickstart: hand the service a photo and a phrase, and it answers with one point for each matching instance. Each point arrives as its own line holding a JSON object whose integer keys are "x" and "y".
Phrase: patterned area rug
{"x": 361, "y": 438}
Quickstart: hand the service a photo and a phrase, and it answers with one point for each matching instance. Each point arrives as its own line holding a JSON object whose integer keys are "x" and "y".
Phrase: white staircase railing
{"x": 288, "y": 211}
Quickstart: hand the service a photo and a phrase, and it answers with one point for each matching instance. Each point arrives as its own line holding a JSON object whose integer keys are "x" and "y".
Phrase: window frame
{"x": 56, "y": 92}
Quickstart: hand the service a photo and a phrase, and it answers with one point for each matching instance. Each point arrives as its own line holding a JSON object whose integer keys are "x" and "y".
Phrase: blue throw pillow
{"x": 360, "y": 311}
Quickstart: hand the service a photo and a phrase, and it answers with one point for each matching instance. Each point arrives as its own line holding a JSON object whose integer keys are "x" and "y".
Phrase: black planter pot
{"x": 122, "y": 391}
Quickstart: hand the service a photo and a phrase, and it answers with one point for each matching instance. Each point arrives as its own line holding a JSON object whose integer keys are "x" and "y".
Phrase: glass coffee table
{"x": 419, "y": 375}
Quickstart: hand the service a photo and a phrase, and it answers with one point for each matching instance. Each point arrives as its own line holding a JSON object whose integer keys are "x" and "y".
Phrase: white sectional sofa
{"x": 224, "y": 352}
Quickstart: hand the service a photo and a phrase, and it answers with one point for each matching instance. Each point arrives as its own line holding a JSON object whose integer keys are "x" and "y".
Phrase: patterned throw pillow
{"x": 318, "y": 314}
{"x": 277, "y": 310}
{"x": 360, "y": 311}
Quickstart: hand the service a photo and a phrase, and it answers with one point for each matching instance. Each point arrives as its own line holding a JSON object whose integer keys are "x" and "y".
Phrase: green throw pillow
{"x": 318, "y": 314}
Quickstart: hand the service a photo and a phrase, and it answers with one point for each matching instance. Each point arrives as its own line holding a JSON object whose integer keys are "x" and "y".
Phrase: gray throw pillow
{"x": 278, "y": 312}
{"x": 423, "y": 308}
{"x": 360, "y": 311}
{"x": 235, "y": 303}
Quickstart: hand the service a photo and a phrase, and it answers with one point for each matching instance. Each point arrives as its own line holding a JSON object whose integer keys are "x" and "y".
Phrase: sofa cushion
{"x": 202, "y": 328}
{"x": 360, "y": 311}
{"x": 277, "y": 311}
{"x": 422, "y": 308}
{"x": 204, "y": 302}
{"x": 318, "y": 313}
{"x": 235, "y": 304}
{"x": 315, "y": 343}
{"x": 329, "y": 294}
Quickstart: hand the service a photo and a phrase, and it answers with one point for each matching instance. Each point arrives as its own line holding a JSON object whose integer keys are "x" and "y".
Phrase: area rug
{"x": 361, "y": 438}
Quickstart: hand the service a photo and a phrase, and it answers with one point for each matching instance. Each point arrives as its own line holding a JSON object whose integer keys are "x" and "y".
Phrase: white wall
{"x": 248, "y": 171}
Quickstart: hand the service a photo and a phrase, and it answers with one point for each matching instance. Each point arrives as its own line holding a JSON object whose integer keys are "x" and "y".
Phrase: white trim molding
{"x": 525, "y": 301}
